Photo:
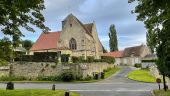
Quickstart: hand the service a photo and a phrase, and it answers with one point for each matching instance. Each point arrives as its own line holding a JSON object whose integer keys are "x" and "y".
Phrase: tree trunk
{"x": 164, "y": 82}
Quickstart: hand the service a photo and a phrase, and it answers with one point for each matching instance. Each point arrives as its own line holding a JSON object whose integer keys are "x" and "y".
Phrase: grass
{"x": 161, "y": 93}
{"x": 141, "y": 75}
{"x": 34, "y": 92}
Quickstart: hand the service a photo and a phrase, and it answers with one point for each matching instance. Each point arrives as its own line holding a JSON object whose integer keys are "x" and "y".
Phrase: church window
{"x": 70, "y": 25}
{"x": 72, "y": 44}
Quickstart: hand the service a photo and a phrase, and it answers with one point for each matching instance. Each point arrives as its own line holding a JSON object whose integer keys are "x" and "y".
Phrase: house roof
{"x": 46, "y": 41}
{"x": 135, "y": 51}
{"x": 115, "y": 54}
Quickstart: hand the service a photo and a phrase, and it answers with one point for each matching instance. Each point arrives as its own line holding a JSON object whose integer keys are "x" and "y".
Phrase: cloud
{"x": 104, "y": 12}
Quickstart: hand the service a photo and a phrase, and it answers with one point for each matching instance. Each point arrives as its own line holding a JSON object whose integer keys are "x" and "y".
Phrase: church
{"x": 75, "y": 38}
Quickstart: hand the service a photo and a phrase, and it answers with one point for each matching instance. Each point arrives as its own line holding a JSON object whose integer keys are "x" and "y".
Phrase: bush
{"x": 137, "y": 65}
{"x": 48, "y": 78}
{"x": 108, "y": 59}
{"x": 107, "y": 70}
{"x": 13, "y": 78}
{"x": 3, "y": 62}
{"x": 65, "y": 57}
{"x": 90, "y": 59}
{"x": 77, "y": 59}
{"x": 67, "y": 76}
{"x": 87, "y": 78}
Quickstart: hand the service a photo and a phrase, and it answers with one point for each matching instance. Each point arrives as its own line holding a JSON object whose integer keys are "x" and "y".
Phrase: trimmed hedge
{"x": 39, "y": 57}
{"x": 108, "y": 59}
{"x": 154, "y": 60}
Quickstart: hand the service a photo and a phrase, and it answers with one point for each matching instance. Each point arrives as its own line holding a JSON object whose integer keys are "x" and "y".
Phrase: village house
{"x": 130, "y": 55}
{"x": 75, "y": 38}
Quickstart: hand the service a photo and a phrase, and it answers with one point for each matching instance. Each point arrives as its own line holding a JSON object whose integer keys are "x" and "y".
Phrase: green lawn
{"x": 34, "y": 92}
{"x": 161, "y": 93}
{"x": 141, "y": 75}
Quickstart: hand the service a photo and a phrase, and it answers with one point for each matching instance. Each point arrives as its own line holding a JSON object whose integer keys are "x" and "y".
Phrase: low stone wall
{"x": 4, "y": 70}
{"x": 34, "y": 69}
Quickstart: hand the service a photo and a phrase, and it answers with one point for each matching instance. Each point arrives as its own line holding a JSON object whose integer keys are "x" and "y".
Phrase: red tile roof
{"x": 115, "y": 54}
{"x": 46, "y": 41}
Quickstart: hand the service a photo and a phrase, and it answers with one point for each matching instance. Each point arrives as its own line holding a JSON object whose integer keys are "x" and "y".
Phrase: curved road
{"x": 116, "y": 85}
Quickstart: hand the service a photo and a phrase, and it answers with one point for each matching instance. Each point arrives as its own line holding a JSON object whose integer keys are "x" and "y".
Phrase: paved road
{"x": 117, "y": 85}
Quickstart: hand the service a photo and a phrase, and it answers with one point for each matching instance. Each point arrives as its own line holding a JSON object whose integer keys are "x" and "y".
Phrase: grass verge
{"x": 34, "y": 92}
{"x": 161, "y": 93}
{"x": 141, "y": 75}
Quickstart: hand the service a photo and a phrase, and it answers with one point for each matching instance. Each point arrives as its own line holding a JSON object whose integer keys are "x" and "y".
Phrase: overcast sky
{"x": 104, "y": 12}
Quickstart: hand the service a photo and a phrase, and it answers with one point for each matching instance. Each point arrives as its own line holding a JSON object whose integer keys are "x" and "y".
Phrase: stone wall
{"x": 33, "y": 69}
{"x": 4, "y": 71}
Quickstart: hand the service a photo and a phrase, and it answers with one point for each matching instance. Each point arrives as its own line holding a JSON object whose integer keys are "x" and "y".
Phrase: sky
{"x": 103, "y": 12}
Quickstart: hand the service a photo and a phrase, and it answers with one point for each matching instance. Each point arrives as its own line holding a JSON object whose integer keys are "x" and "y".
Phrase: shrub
{"x": 13, "y": 78}
{"x": 67, "y": 76}
{"x": 65, "y": 57}
{"x": 77, "y": 59}
{"x": 90, "y": 59}
{"x": 3, "y": 62}
{"x": 47, "y": 78}
{"x": 107, "y": 70}
{"x": 137, "y": 65}
{"x": 87, "y": 78}
{"x": 108, "y": 59}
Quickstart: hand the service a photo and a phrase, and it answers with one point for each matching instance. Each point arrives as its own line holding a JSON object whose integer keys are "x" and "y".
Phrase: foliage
{"x": 149, "y": 60}
{"x": 65, "y": 57}
{"x": 39, "y": 57}
{"x": 87, "y": 78}
{"x": 35, "y": 92}
{"x": 113, "y": 38}
{"x": 137, "y": 65}
{"x": 141, "y": 75}
{"x": 90, "y": 59}
{"x": 156, "y": 16}
{"x": 48, "y": 78}
{"x": 17, "y": 14}
{"x": 5, "y": 51}
{"x": 67, "y": 76}
{"x": 108, "y": 59}
{"x": 27, "y": 44}
{"x": 13, "y": 78}
{"x": 3, "y": 62}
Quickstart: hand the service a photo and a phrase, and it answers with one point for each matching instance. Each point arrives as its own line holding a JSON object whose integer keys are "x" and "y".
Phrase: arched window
{"x": 72, "y": 44}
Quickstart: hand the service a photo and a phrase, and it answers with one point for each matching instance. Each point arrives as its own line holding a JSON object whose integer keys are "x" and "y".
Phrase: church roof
{"x": 46, "y": 41}
{"x": 115, "y": 54}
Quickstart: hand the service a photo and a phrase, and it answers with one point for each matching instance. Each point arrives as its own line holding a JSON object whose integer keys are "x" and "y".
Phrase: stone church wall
{"x": 33, "y": 69}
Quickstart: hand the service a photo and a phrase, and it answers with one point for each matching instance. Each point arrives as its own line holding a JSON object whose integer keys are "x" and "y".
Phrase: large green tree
{"x": 27, "y": 44}
{"x": 17, "y": 14}
{"x": 156, "y": 16}
{"x": 113, "y": 38}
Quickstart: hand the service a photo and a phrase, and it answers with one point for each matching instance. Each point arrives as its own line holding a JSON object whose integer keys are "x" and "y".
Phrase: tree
{"x": 113, "y": 38}
{"x": 5, "y": 51}
{"x": 156, "y": 17}
{"x": 17, "y": 14}
{"x": 27, "y": 44}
